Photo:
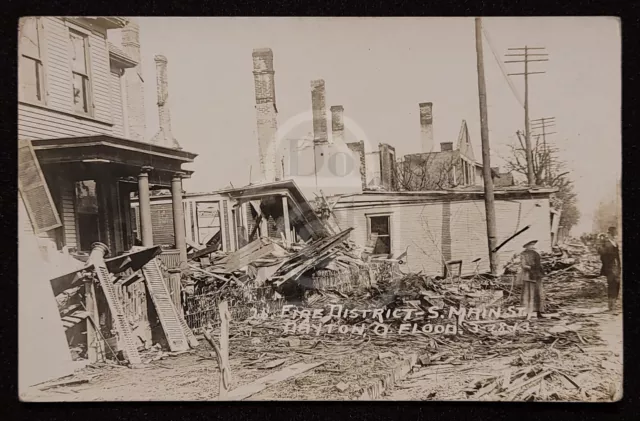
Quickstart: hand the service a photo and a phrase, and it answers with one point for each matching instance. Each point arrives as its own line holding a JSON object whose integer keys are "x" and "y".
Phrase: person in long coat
{"x": 610, "y": 257}
{"x": 532, "y": 274}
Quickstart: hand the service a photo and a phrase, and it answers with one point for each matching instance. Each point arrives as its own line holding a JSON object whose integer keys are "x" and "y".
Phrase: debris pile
{"x": 548, "y": 375}
{"x": 259, "y": 277}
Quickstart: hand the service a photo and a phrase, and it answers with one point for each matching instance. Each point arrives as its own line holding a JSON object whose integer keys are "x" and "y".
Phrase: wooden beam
{"x": 93, "y": 343}
{"x": 259, "y": 385}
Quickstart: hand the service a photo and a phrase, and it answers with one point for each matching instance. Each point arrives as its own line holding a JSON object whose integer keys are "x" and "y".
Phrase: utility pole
{"x": 526, "y": 60}
{"x": 486, "y": 160}
{"x": 543, "y": 124}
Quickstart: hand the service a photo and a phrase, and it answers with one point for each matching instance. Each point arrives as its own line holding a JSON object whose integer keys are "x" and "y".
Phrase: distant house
{"x": 448, "y": 168}
{"x": 445, "y": 169}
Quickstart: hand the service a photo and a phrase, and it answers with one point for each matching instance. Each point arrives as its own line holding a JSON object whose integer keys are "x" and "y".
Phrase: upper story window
{"x": 79, "y": 49}
{"x": 31, "y": 71}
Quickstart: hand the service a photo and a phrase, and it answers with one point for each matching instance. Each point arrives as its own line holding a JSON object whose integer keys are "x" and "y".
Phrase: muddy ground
{"x": 353, "y": 363}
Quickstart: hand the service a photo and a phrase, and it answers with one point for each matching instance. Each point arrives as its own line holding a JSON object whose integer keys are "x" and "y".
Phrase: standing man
{"x": 532, "y": 273}
{"x": 610, "y": 257}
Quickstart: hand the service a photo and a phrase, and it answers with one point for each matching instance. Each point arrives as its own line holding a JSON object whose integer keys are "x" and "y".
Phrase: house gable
{"x": 464, "y": 142}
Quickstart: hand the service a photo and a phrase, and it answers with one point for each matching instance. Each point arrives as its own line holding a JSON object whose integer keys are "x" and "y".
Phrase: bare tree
{"x": 606, "y": 215}
{"x": 428, "y": 172}
{"x": 548, "y": 171}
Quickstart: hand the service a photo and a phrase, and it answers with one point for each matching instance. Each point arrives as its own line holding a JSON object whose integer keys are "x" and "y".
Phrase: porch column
{"x": 145, "y": 207}
{"x": 178, "y": 219}
{"x": 285, "y": 214}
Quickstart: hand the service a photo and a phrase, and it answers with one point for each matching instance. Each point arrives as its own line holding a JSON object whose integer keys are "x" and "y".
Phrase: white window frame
{"x": 41, "y": 64}
{"x": 72, "y": 28}
{"x": 377, "y": 215}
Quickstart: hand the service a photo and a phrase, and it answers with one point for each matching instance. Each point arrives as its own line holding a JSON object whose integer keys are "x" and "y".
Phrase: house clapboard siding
{"x": 57, "y": 118}
{"x": 434, "y": 231}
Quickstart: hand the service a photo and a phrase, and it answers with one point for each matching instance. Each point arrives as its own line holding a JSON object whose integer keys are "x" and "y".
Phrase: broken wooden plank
{"x": 71, "y": 382}
{"x": 259, "y": 385}
{"x": 235, "y": 264}
{"x": 513, "y": 391}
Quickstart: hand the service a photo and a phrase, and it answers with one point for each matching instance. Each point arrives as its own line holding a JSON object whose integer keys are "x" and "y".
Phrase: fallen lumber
{"x": 72, "y": 382}
{"x": 259, "y": 385}
{"x": 377, "y": 389}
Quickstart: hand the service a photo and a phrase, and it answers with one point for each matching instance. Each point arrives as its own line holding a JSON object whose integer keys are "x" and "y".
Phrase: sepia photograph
{"x": 314, "y": 209}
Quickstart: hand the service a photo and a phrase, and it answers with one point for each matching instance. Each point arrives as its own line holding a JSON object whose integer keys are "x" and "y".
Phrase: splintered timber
{"x": 300, "y": 321}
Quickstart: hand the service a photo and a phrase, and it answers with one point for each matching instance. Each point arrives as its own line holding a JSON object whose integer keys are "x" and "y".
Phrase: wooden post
{"x": 225, "y": 372}
{"x": 95, "y": 346}
{"x": 178, "y": 219}
{"x": 486, "y": 160}
{"x": 287, "y": 224}
{"x": 93, "y": 343}
{"x": 222, "y": 350}
{"x": 144, "y": 201}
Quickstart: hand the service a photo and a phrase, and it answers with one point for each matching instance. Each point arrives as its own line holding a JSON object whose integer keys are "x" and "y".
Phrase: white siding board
{"x": 43, "y": 123}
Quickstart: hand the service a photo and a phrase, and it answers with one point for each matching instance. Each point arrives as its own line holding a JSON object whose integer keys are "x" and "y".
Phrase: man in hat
{"x": 532, "y": 274}
{"x": 610, "y": 257}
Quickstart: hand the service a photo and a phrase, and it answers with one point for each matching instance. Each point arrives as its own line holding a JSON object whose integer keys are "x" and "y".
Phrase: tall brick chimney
{"x": 426, "y": 126}
{"x": 164, "y": 137}
{"x": 266, "y": 113}
{"x": 318, "y": 107}
{"x": 337, "y": 123}
{"x": 134, "y": 83}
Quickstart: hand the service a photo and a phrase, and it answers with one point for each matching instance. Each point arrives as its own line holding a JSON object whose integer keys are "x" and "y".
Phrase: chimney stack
{"x": 164, "y": 137}
{"x": 446, "y": 146}
{"x": 133, "y": 82}
{"x": 426, "y": 126}
{"x": 319, "y": 112}
{"x": 337, "y": 123}
{"x": 266, "y": 113}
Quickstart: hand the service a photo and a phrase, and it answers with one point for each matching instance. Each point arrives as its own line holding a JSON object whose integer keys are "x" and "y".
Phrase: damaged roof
{"x": 257, "y": 191}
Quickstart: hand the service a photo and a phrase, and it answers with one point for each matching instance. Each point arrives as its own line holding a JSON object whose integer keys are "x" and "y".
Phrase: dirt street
{"x": 352, "y": 363}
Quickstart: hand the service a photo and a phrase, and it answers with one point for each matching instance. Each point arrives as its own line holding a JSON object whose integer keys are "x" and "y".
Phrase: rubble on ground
{"x": 333, "y": 272}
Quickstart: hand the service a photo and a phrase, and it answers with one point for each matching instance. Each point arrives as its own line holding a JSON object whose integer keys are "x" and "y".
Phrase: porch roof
{"x": 74, "y": 149}
{"x": 124, "y": 157}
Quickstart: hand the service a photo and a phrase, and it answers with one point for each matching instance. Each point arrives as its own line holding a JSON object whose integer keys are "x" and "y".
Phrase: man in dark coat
{"x": 610, "y": 257}
{"x": 532, "y": 273}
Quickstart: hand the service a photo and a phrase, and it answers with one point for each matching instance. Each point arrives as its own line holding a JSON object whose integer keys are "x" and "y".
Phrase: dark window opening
{"x": 381, "y": 225}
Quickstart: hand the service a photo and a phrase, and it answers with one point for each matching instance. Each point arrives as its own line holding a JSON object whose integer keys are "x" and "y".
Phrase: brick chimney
{"x": 337, "y": 123}
{"x": 446, "y": 146}
{"x": 164, "y": 137}
{"x": 319, "y": 112}
{"x": 134, "y": 83}
{"x": 266, "y": 113}
{"x": 426, "y": 126}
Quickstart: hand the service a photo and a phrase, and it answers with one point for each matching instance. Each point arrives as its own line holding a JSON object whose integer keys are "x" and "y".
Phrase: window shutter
{"x": 34, "y": 191}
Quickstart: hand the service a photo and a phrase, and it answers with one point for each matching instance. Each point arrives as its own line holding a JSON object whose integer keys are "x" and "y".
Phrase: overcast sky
{"x": 379, "y": 69}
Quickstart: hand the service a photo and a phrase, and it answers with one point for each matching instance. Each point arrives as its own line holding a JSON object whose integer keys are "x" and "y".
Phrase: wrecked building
{"x": 434, "y": 227}
{"x": 81, "y": 155}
